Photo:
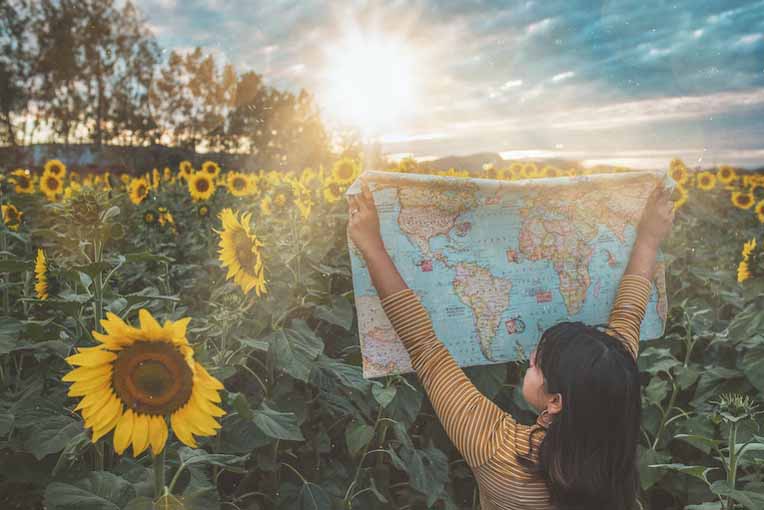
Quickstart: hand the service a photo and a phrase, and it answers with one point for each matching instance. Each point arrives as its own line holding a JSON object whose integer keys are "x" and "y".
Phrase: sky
{"x": 623, "y": 82}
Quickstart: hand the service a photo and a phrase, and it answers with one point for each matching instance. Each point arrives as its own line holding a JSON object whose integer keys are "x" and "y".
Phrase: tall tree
{"x": 15, "y": 66}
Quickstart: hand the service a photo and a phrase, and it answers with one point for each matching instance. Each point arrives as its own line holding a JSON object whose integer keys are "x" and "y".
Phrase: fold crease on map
{"x": 495, "y": 263}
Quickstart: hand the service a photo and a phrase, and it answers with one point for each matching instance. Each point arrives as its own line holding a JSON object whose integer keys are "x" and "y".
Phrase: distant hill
{"x": 475, "y": 162}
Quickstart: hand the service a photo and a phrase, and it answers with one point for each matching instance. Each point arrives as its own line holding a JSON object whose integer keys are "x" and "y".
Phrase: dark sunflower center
{"x": 244, "y": 253}
{"x": 23, "y": 181}
{"x": 705, "y": 181}
{"x": 52, "y": 183}
{"x": 239, "y": 184}
{"x": 142, "y": 190}
{"x": 345, "y": 171}
{"x": 152, "y": 378}
{"x": 202, "y": 185}
{"x": 744, "y": 199}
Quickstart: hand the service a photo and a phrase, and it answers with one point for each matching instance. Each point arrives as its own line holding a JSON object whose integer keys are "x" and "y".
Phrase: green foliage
{"x": 303, "y": 428}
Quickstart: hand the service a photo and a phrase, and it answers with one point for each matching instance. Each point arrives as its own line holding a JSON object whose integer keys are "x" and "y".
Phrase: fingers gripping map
{"x": 495, "y": 263}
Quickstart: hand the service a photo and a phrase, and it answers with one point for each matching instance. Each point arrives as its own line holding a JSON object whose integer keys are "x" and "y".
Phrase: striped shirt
{"x": 488, "y": 437}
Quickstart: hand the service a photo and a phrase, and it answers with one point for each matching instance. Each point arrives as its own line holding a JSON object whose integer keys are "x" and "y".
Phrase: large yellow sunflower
{"x": 23, "y": 180}
{"x": 200, "y": 186}
{"x": 742, "y": 200}
{"x": 211, "y": 168}
{"x": 726, "y": 174}
{"x": 41, "y": 275}
{"x": 11, "y": 216}
{"x": 55, "y": 167}
{"x": 139, "y": 376}
{"x": 240, "y": 252}
{"x": 139, "y": 190}
{"x": 678, "y": 171}
{"x": 237, "y": 184}
{"x": 706, "y": 181}
{"x": 51, "y": 185}
{"x": 345, "y": 170}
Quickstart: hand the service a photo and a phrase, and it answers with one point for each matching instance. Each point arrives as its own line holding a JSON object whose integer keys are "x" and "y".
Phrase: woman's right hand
{"x": 657, "y": 216}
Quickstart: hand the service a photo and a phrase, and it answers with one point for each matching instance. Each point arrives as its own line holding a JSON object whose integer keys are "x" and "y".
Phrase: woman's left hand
{"x": 363, "y": 222}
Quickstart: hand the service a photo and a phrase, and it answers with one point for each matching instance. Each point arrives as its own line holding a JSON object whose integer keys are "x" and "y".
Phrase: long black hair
{"x": 588, "y": 456}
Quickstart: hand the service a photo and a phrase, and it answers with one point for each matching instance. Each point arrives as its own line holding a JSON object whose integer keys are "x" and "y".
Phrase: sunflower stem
{"x": 99, "y": 456}
{"x": 159, "y": 473}
{"x": 6, "y": 277}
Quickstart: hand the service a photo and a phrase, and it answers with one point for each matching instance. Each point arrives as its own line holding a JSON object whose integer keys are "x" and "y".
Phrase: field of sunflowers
{"x": 186, "y": 338}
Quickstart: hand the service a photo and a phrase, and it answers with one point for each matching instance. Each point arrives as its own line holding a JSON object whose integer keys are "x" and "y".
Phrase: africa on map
{"x": 495, "y": 263}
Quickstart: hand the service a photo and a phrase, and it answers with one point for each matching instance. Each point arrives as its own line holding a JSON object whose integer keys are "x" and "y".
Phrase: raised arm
{"x": 472, "y": 421}
{"x": 634, "y": 291}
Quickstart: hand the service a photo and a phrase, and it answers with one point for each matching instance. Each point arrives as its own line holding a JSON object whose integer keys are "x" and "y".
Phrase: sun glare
{"x": 369, "y": 82}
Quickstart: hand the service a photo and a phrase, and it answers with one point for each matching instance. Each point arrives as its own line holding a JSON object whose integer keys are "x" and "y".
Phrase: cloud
{"x": 750, "y": 39}
{"x": 563, "y": 76}
{"x": 511, "y": 84}
{"x": 539, "y": 26}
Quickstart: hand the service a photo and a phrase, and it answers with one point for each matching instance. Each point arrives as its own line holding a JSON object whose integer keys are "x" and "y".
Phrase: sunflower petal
{"x": 149, "y": 325}
{"x": 98, "y": 433}
{"x": 82, "y": 388}
{"x": 157, "y": 434}
{"x": 91, "y": 358}
{"x": 123, "y": 432}
{"x": 179, "y": 426}
{"x": 140, "y": 434}
{"x": 87, "y": 373}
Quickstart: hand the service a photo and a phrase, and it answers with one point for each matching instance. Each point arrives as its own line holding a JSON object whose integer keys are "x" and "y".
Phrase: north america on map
{"x": 495, "y": 263}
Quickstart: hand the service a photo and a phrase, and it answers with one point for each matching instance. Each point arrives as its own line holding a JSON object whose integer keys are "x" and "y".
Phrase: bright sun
{"x": 369, "y": 81}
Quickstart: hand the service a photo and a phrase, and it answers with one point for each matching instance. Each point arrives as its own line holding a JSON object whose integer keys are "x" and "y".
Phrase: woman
{"x": 582, "y": 451}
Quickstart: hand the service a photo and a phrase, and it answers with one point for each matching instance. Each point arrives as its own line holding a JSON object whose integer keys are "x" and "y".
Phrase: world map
{"x": 495, "y": 263}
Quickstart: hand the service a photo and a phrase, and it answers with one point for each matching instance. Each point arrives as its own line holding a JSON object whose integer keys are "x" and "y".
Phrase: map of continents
{"x": 495, "y": 263}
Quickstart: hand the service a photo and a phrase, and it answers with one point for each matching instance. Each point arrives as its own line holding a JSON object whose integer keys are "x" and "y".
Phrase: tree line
{"x": 89, "y": 71}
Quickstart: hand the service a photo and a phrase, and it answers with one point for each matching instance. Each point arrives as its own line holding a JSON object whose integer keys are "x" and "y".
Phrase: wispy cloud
{"x": 563, "y": 76}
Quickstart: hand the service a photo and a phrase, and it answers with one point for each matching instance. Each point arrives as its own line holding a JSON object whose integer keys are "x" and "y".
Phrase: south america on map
{"x": 495, "y": 263}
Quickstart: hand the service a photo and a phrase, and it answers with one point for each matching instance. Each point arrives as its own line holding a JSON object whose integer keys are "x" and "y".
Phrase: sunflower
{"x": 303, "y": 200}
{"x": 139, "y": 190}
{"x": 682, "y": 191}
{"x": 203, "y": 210}
{"x": 726, "y": 174}
{"x": 266, "y": 208}
{"x": 504, "y": 174}
{"x": 517, "y": 170}
{"x": 310, "y": 178}
{"x": 742, "y": 200}
{"x": 149, "y": 217}
{"x": 706, "y": 181}
{"x": 332, "y": 191}
{"x": 55, "y": 167}
{"x": 240, "y": 252}
{"x": 165, "y": 217}
{"x": 345, "y": 171}
{"x": 41, "y": 275}
{"x": 550, "y": 171}
{"x": 23, "y": 181}
{"x": 186, "y": 167}
{"x": 211, "y": 168}
{"x": 11, "y": 216}
{"x": 139, "y": 376}
{"x": 167, "y": 175}
{"x": 155, "y": 179}
{"x": 759, "y": 209}
{"x": 51, "y": 185}
{"x": 678, "y": 171}
{"x": 237, "y": 184}
{"x": 200, "y": 186}
{"x": 530, "y": 170}
{"x": 743, "y": 272}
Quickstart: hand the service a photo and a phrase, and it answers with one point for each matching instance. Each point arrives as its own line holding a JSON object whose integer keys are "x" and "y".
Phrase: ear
{"x": 554, "y": 404}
